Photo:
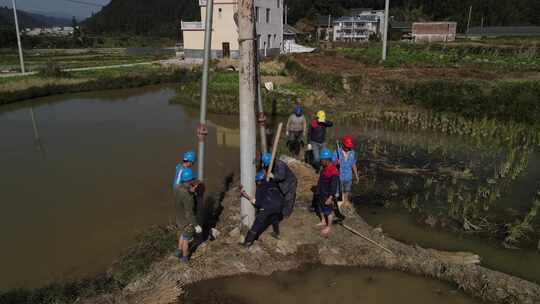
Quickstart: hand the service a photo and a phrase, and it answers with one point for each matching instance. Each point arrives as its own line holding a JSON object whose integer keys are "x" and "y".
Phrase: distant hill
{"x": 159, "y": 18}
{"x": 30, "y": 20}
{"x": 162, "y": 17}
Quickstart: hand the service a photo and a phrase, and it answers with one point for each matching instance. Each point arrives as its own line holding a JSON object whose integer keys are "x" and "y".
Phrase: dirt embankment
{"x": 341, "y": 65}
{"x": 302, "y": 243}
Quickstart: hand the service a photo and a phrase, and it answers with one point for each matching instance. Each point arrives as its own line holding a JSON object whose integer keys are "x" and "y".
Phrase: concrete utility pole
{"x": 469, "y": 20}
{"x": 21, "y": 58}
{"x": 385, "y": 32}
{"x": 260, "y": 107}
{"x": 203, "y": 130}
{"x": 248, "y": 89}
{"x": 261, "y": 116}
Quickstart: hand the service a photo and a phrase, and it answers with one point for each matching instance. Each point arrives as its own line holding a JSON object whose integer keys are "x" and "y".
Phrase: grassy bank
{"x": 22, "y": 88}
{"x": 516, "y": 100}
{"x": 150, "y": 247}
{"x": 223, "y": 95}
{"x": 515, "y": 58}
{"x": 72, "y": 58}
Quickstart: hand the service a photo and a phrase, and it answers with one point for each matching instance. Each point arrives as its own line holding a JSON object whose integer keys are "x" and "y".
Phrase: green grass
{"x": 36, "y": 59}
{"x": 223, "y": 95}
{"x": 17, "y": 89}
{"x": 456, "y": 56}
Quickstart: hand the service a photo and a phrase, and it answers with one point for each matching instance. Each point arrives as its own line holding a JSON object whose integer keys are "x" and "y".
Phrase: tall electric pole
{"x": 469, "y": 20}
{"x": 21, "y": 59}
{"x": 385, "y": 30}
{"x": 248, "y": 94}
{"x": 203, "y": 130}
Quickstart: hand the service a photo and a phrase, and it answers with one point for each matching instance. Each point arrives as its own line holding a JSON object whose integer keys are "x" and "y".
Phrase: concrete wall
{"x": 225, "y": 29}
{"x": 434, "y": 31}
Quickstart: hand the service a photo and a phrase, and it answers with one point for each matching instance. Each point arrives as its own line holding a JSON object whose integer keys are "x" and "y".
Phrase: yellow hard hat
{"x": 321, "y": 116}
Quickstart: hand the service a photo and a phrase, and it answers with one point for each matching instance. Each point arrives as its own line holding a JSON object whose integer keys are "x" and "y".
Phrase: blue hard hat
{"x": 266, "y": 159}
{"x": 260, "y": 176}
{"x": 190, "y": 156}
{"x": 326, "y": 154}
{"x": 187, "y": 175}
{"x": 298, "y": 110}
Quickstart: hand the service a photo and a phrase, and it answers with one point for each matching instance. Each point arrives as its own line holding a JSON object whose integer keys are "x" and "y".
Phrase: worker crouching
{"x": 269, "y": 204}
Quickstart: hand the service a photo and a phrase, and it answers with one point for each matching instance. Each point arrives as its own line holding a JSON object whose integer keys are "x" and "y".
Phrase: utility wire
{"x": 85, "y": 3}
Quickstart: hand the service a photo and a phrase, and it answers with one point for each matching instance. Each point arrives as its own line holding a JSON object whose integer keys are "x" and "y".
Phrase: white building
{"x": 269, "y": 15}
{"x": 51, "y": 31}
{"x": 359, "y": 27}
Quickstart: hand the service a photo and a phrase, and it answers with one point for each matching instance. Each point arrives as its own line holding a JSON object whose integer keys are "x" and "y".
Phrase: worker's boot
{"x": 250, "y": 239}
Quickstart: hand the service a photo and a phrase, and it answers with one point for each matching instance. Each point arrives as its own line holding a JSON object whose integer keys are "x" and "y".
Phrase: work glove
{"x": 309, "y": 147}
{"x": 271, "y": 175}
{"x": 198, "y": 229}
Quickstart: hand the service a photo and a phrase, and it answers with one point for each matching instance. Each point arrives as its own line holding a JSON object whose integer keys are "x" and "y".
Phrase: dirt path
{"x": 302, "y": 243}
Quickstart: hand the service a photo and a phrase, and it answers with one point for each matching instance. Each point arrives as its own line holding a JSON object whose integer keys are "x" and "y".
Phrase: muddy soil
{"x": 339, "y": 64}
{"x": 301, "y": 243}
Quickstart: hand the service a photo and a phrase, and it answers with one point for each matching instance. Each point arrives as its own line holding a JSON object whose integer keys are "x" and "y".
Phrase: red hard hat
{"x": 348, "y": 141}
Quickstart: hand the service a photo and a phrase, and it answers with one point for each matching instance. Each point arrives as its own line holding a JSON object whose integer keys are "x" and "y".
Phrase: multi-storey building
{"x": 359, "y": 27}
{"x": 269, "y": 18}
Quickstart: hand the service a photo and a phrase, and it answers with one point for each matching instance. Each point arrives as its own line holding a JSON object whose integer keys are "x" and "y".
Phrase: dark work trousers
{"x": 290, "y": 200}
{"x": 262, "y": 221}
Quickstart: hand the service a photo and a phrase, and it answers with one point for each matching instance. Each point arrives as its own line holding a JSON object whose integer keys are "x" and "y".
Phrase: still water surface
{"x": 326, "y": 285}
{"x": 100, "y": 173}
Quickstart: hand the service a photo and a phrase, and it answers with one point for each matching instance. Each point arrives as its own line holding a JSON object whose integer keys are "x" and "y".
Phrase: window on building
{"x": 268, "y": 12}
{"x": 270, "y": 41}
{"x": 257, "y": 14}
{"x": 278, "y": 3}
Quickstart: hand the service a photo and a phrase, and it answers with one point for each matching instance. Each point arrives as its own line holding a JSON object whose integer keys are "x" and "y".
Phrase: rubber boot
{"x": 250, "y": 239}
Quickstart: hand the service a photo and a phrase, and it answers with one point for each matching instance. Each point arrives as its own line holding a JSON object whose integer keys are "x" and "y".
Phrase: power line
{"x": 85, "y": 3}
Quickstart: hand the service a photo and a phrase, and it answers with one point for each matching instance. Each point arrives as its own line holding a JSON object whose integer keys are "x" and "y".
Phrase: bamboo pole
{"x": 248, "y": 89}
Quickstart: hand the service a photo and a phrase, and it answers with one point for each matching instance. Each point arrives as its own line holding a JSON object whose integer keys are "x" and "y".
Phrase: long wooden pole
{"x": 248, "y": 95}
{"x": 274, "y": 150}
{"x": 366, "y": 238}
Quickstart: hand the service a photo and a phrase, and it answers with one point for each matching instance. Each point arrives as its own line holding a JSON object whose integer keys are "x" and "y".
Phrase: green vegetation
{"x": 330, "y": 83}
{"x": 223, "y": 95}
{"x": 35, "y": 86}
{"x": 455, "y": 56}
{"x": 495, "y": 13}
{"x": 504, "y": 100}
{"x": 75, "y": 58}
{"x": 150, "y": 246}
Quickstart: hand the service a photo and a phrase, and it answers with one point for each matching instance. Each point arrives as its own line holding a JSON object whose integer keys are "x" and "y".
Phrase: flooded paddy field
{"x": 469, "y": 188}
{"x": 83, "y": 174}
